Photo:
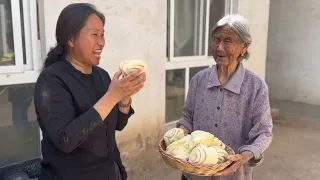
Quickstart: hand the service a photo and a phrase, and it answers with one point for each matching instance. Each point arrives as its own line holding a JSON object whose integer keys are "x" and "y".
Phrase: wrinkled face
{"x": 226, "y": 46}
{"x": 88, "y": 46}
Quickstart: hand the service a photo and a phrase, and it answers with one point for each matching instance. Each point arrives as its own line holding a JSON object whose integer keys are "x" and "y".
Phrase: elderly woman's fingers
{"x": 238, "y": 161}
{"x": 236, "y": 157}
{"x": 226, "y": 172}
{"x": 230, "y": 170}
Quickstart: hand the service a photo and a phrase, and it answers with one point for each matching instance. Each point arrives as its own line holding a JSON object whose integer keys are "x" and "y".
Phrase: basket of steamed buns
{"x": 199, "y": 153}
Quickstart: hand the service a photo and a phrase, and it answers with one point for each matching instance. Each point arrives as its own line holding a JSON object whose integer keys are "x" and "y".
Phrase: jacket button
{"x": 216, "y": 125}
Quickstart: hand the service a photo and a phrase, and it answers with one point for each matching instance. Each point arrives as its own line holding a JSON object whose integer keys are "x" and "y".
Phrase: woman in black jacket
{"x": 79, "y": 107}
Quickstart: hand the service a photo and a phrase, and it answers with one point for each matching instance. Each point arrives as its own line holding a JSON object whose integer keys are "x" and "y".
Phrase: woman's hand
{"x": 238, "y": 161}
{"x": 124, "y": 88}
{"x": 120, "y": 89}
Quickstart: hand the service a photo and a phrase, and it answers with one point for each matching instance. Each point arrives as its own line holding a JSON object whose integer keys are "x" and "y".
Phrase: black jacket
{"x": 76, "y": 144}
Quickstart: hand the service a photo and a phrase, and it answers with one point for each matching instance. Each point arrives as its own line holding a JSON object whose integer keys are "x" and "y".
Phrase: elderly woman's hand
{"x": 238, "y": 161}
{"x": 185, "y": 130}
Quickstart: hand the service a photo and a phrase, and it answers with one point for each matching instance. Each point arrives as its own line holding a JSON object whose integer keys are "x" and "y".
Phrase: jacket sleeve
{"x": 260, "y": 135}
{"x": 123, "y": 119}
{"x": 57, "y": 117}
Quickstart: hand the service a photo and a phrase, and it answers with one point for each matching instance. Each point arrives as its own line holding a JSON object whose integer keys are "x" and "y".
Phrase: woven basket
{"x": 192, "y": 168}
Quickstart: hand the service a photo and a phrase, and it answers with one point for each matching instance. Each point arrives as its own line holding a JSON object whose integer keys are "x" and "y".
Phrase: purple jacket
{"x": 238, "y": 113}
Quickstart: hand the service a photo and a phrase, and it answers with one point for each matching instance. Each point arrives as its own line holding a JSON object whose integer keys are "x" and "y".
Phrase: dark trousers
{"x": 183, "y": 177}
{"x": 117, "y": 170}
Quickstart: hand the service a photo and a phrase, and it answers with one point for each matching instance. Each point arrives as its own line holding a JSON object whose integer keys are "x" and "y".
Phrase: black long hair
{"x": 71, "y": 20}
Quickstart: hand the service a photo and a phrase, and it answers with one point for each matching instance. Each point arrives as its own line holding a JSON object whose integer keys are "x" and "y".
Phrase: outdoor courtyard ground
{"x": 293, "y": 155}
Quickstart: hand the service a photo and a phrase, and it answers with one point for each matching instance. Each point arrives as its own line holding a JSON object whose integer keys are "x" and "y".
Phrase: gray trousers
{"x": 117, "y": 171}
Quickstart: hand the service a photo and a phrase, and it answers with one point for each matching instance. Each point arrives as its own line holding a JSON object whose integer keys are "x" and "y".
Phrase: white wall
{"x": 293, "y": 51}
{"x": 134, "y": 29}
{"x": 257, "y": 14}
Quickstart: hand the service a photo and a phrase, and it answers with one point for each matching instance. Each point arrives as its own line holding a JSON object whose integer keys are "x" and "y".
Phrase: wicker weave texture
{"x": 192, "y": 168}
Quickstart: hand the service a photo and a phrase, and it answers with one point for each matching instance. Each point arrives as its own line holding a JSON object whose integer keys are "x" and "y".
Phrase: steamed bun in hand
{"x": 128, "y": 66}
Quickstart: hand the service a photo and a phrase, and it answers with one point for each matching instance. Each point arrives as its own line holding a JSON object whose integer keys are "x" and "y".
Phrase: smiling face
{"x": 227, "y": 46}
{"x": 87, "y": 47}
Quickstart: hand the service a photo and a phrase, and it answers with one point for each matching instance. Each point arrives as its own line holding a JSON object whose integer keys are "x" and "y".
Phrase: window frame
{"x": 229, "y": 9}
{"x": 187, "y": 62}
{"x": 17, "y": 40}
{"x": 33, "y": 23}
{"x": 172, "y": 58}
{"x": 21, "y": 73}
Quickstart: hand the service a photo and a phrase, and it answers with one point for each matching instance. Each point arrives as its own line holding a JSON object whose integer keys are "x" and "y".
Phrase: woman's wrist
{"x": 105, "y": 105}
{"x": 125, "y": 102}
{"x": 247, "y": 155}
{"x": 110, "y": 98}
{"x": 124, "y": 105}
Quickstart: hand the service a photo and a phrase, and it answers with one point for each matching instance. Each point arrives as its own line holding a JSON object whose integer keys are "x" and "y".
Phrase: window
{"x": 20, "y": 66}
{"x": 175, "y": 93}
{"x": 19, "y": 130}
{"x": 20, "y": 42}
{"x": 188, "y": 28}
{"x": 189, "y": 48}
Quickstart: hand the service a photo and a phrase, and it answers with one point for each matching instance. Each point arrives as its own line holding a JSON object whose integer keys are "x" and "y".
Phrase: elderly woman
{"x": 230, "y": 102}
